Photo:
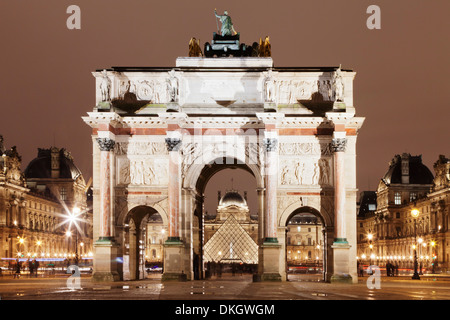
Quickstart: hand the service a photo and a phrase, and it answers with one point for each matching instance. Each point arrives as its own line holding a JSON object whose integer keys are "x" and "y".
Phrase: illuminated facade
{"x": 304, "y": 241}
{"x": 35, "y": 206}
{"x": 388, "y": 234}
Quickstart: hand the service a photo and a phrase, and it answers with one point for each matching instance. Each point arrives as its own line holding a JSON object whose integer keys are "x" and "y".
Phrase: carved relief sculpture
{"x": 338, "y": 85}
{"x": 105, "y": 87}
{"x": 172, "y": 86}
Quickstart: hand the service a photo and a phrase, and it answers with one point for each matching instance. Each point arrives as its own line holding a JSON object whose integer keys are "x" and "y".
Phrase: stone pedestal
{"x": 270, "y": 258}
{"x": 173, "y": 107}
{"x": 270, "y": 107}
{"x": 339, "y": 106}
{"x": 173, "y": 262}
{"x": 341, "y": 263}
{"x": 105, "y": 268}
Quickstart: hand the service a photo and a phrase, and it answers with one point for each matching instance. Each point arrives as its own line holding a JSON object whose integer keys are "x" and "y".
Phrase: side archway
{"x": 306, "y": 243}
{"x": 134, "y": 239}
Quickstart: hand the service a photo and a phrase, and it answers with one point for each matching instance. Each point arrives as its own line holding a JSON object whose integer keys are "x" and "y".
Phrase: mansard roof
{"x": 40, "y": 167}
{"x": 418, "y": 172}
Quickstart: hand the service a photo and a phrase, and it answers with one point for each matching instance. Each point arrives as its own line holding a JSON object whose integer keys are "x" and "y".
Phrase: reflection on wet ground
{"x": 226, "y": 288}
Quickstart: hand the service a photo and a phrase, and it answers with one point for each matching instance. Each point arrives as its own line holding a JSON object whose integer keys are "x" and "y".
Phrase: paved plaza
{"x": 238, "y": 287}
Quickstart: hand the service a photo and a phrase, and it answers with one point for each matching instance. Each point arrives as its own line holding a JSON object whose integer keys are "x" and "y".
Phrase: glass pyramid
{"x": 231, "y": 243}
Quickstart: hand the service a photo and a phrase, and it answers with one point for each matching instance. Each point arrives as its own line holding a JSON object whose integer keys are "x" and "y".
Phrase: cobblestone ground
{"x": 239, "y": 287}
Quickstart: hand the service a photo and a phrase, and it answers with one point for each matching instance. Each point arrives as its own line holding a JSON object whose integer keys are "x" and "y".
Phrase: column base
{"x": 105, "y": 263}
{"x": 270, "y": 240}
{"x": 270, "y": 260}
{"x": 341, "y": 263}
{"x": 341, "y": 278}
{"x": 173, "y": 262}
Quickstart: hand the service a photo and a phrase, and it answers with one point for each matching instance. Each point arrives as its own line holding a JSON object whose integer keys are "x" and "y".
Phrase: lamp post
{"x": 73, "y": 218}
{"x": 415, "y": 214}
{"x": 421, "y": 243}
{"x": 433, "y": 256}
{"x": 370, "y": 238}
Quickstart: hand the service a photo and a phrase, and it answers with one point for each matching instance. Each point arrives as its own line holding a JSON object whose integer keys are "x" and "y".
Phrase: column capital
{"x": 105, "y": 144}
{"x": 270, "y": 144}
{"x": 338, "y": 144}
{"x": 173, "y": 144}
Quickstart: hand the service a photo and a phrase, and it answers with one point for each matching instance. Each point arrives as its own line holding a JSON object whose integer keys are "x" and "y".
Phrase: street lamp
{"x": 370, "y": 238}
{"x": 73, "y": 218}
{"x": 415, "y": 214}
{"x": 433, "y": 256}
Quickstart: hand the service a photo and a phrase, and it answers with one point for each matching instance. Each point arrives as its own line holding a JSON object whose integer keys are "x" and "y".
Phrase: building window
{"x": 397, "y": 198}
{"x": 63, "y": 193}
{"x": 412, "y": 196}
{"x": 372, "y": 207}
{"x": 397, "y": 215}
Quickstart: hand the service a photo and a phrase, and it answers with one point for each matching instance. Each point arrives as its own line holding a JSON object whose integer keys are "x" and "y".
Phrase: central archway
{"x": 198, "y": 178}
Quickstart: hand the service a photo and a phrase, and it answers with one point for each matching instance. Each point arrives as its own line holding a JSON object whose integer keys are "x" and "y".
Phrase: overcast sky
{"x": 402, "y": 85}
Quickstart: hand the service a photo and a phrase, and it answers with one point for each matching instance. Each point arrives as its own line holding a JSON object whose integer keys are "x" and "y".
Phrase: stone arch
{"x": 326, "y": 234}
{"x": 124, "y": 214}
{"x": 288, "y": 213}
{"x": 194, "y": 171}
{"x": 133, "y": 236}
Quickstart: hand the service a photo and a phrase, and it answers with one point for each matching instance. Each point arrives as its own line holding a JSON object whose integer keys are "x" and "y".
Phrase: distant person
{"x": 36, "y": 267}
{"x": 17, "y": 273}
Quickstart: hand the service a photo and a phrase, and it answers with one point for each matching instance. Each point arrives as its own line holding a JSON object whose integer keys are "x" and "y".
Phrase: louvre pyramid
{"x": 231, "y": 243}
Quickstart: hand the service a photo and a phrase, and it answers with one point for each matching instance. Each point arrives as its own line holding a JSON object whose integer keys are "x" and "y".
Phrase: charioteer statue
{"x": 226, "y": 42}
{"x": 227, "y": 28}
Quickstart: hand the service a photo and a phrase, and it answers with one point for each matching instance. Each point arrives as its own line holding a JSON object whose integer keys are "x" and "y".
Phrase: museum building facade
{"x": 35, "y": 205}
{"x": 390, "y": 233}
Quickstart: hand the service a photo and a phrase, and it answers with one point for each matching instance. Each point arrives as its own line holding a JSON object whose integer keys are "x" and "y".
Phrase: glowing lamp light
{"x": 415, "y": 213}
{"x": 370, "y": 236}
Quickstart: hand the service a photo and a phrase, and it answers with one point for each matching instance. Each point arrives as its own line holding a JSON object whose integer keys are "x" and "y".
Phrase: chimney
{"x": 55, "y": 162}
{"x": 219, "y": 196}
{"x": 405, "y": 168}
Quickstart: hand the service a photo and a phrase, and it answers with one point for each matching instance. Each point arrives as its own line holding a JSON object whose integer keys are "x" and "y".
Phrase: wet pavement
{"x": 238, "y": 287}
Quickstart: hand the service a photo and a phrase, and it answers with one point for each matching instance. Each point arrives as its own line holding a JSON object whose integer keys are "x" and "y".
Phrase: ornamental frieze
{"x": 140, "y": 148}
{"x": 305, "y": 172}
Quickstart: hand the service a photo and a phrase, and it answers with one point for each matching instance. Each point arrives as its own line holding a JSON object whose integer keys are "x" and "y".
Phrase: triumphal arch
{"x": 159, "y": 134}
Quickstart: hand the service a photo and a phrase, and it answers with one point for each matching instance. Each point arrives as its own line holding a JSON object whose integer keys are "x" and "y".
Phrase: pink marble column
{"x": 106, "y": 145}
{"x": 271, "y": 181}
{"x": 174, "y": 188}
{"x": 338, "y": 146}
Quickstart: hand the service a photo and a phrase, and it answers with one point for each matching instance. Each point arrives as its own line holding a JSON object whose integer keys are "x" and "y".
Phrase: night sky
{"x": 401, "y": 87}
